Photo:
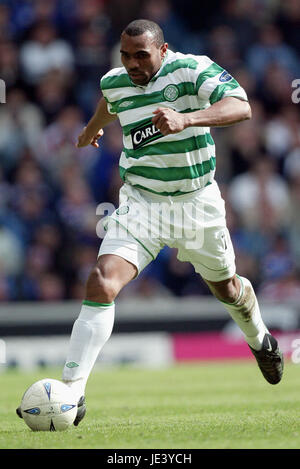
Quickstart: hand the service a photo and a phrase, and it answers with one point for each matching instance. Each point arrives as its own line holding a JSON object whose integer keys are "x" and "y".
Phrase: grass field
{"x": 212, "y": 405}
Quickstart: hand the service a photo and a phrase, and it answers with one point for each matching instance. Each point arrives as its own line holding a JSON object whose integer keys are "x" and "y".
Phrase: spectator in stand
{"x": 245, "y": 143}
{"x": 81, "y": 260}
{"x": 260, "y": 197}
{"x": 6, "y": 27}
{"x": 92, "y": 60}
{"x": 275, "y": 88}
{"x": 239, "y": 17}
{"x": 5, "y": 193}
{"x": 294, "y": 227}
{"x": 223, "y": 47}
{"x": 283, "y": 290}
{"x": 282, "y": 134}
{"x": 50, "y": 287}
{"x": 288, "y": 21}
{"x": 9, "y": 64}
{"x": 291, "y": 167}
{"x": 179, "y": 277}
{"x": 29, "y": 179}
{"x": 271, "y": 50}
{"x": 37, "y": 263}
{"x": 54, "y": 94}
{"x": 6, "y": 289}
{"x": 20, "y": 125}
{"x": 32, "y": 198}
{"x": 49, "y": 236}
{"x": 26, "y": 13}
{"x": 11, "y": 252}
{"x": 91, "y": 13}
{"x": 44, "y": 52}
{"x": 77, "y": 210}
{"x": 278, "y": 261}
{"x": 57, "y": 149}
{"x": 52, "y": 55}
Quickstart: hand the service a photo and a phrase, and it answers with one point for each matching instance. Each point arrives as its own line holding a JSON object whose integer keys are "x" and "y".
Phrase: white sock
{"x": 246, "y": 313}
{"x": 90, "y": 332}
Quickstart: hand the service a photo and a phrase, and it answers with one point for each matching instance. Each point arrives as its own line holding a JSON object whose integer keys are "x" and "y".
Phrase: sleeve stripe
{"x": 118, "y": 81}
{"x": 210, "y": 72}
{"x": 219, "y": 91}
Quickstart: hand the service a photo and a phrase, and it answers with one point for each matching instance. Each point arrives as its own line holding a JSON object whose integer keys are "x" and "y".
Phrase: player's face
{"x": 141, "y": 57}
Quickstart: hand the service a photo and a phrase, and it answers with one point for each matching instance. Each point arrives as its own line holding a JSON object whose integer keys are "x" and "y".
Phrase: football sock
{"x": 246, "y": 313}
{"x": 90, "y": 332}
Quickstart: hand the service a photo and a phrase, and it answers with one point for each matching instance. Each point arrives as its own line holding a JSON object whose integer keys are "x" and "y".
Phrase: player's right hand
{"x": 85, "y": 139}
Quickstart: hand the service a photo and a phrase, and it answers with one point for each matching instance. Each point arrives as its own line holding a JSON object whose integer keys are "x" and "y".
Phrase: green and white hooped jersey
{"x": 172, "y": 164}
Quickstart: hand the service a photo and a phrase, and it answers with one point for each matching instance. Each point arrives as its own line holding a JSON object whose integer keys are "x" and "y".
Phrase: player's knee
{"x": 227, "y": 291}
{"x": 229, "y": 294}
{"x": 100, "y": 288}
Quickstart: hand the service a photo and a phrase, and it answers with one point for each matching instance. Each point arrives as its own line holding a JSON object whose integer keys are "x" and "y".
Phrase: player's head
{"x": 143, "y": 49}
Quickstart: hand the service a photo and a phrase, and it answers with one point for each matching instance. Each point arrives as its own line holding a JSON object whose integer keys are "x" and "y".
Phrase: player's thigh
{"x": 122, "y": 257}
{"x": 210, "y": 249}
{"x": 214, "y": 260}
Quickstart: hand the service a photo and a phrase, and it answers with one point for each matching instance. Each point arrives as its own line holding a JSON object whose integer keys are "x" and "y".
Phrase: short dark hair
{"x": 139, "y": 27}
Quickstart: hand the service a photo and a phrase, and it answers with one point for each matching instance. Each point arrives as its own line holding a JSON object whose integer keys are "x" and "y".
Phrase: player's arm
{"x": 227, "y": 111}
{"x": 93, "y": 129}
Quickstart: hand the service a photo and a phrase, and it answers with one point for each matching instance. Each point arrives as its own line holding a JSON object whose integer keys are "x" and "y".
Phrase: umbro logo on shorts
{"x": 144, "y": 134}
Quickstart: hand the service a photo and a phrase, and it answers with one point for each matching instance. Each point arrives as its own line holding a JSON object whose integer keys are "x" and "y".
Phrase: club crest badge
{"x": 171, "y": 92}
{"x": 122, "y": 210}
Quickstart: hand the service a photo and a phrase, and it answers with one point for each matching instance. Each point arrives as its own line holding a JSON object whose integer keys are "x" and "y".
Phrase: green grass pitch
{"x": 204, "y": 405}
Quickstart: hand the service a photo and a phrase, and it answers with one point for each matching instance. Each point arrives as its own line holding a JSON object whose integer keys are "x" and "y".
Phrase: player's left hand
{"x": 168, "y": 121}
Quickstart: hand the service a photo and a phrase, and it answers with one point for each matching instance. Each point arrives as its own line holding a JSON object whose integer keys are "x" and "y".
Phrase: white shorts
{"x": 193, "y": 223}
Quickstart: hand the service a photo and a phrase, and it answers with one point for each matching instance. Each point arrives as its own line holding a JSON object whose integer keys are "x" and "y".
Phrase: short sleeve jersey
{"x": 178, "y": 163}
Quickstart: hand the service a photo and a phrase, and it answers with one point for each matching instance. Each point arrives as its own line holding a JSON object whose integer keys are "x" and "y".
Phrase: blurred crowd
{"x": 52, "y": 56}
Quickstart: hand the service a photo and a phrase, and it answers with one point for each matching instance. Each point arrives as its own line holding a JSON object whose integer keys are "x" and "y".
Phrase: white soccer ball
{"x": 48, "y": 405}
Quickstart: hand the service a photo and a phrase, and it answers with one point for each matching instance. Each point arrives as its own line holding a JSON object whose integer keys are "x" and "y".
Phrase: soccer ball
{"x": 48, "y": 405}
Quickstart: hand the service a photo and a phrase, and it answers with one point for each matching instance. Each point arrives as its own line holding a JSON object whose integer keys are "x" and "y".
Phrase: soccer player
{"x": 165, "y": 102}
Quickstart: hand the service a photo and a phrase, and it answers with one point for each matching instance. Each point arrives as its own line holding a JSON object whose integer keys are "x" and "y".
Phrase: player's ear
{"x": 163, "y": 49}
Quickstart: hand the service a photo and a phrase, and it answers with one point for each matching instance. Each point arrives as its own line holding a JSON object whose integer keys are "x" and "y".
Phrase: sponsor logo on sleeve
{"x": 225, "y": 76}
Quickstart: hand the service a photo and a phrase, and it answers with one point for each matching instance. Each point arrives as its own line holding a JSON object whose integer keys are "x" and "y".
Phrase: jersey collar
{"x": 161, "y": 67}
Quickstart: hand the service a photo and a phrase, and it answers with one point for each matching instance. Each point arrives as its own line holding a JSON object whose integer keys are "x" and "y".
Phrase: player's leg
{"x": 122, "y": 256}
{"x": 94, "y": 325}
{"x": 214, "y": 260}
{"x": 95, "y": 322}
{"x": 238, "y": 297}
